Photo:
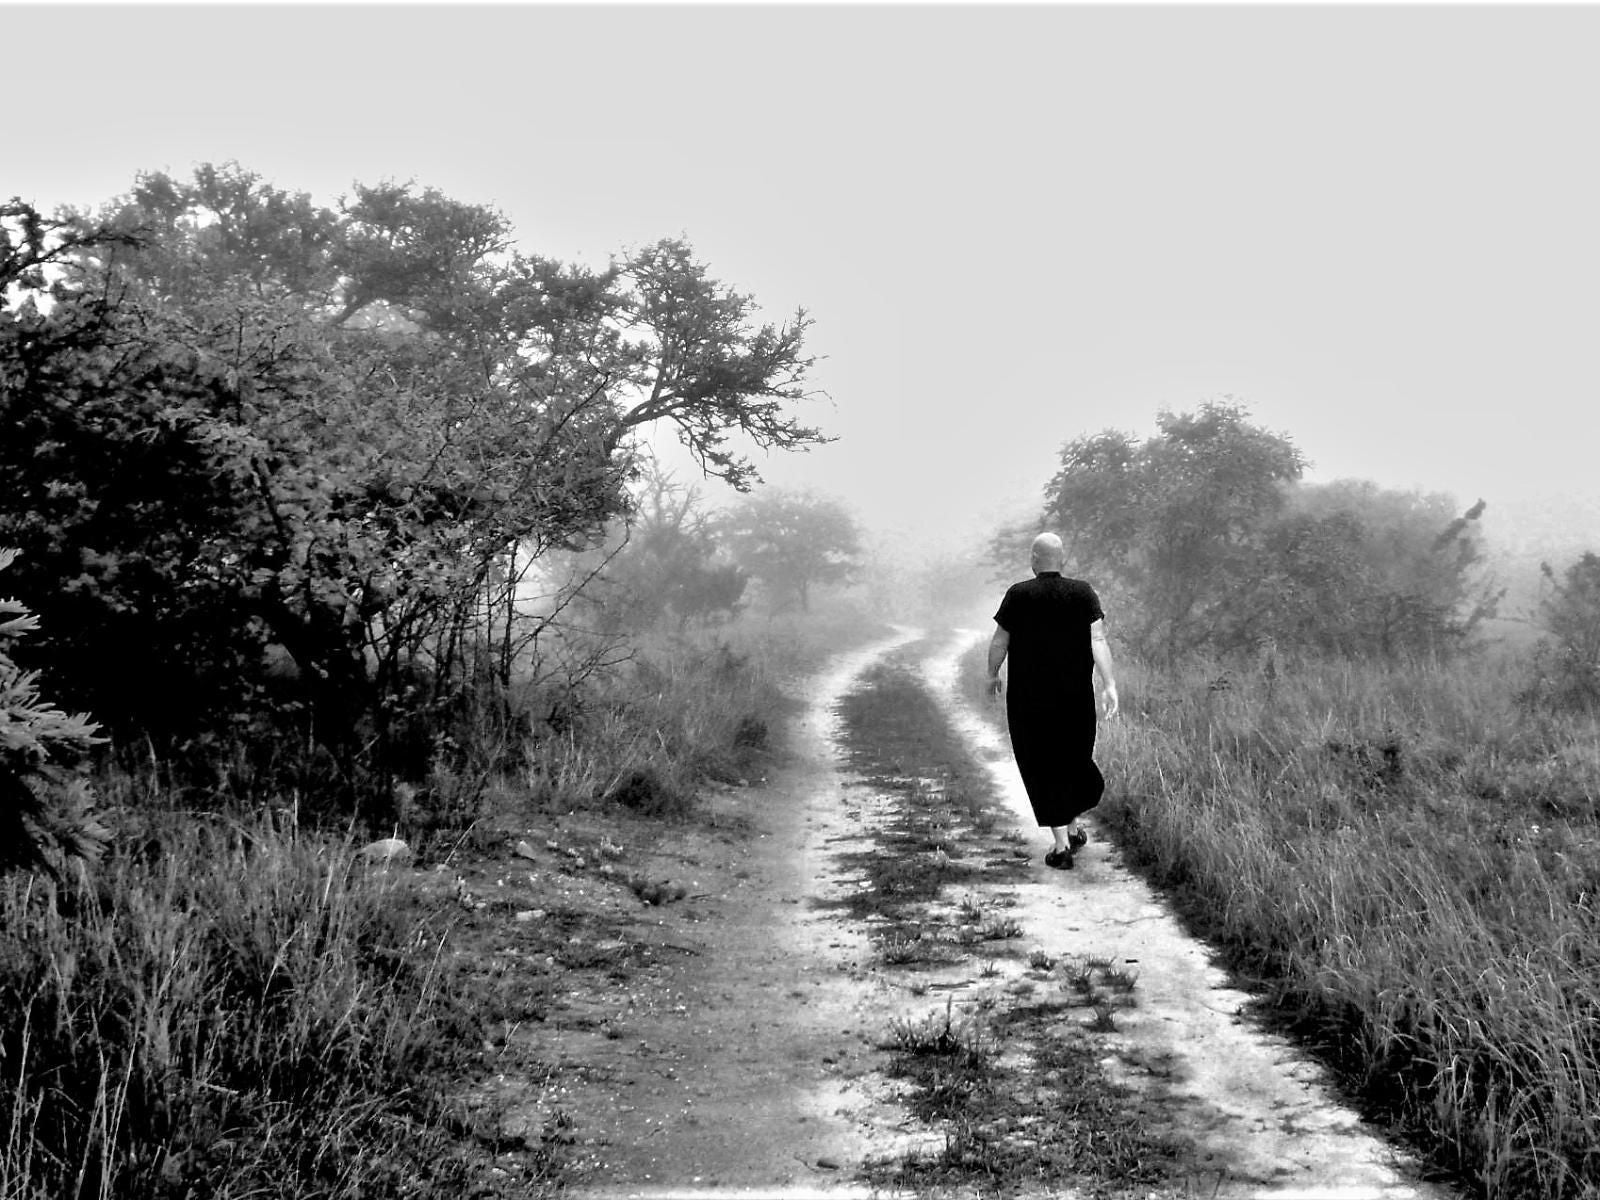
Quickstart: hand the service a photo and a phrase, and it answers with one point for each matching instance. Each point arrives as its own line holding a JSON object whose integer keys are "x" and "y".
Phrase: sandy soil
{"x": 727, "y": 1044}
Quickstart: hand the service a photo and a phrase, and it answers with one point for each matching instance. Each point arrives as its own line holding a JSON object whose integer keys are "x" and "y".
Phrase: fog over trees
{"x": 245, "y": 429}
{"x": 407, "y": 582}
{"x": 298, "y": 467}
{"x": 1204, "y": 539}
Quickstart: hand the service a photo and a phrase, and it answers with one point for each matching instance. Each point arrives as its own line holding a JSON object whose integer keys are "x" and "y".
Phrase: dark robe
{"x": 1050, "y": 705}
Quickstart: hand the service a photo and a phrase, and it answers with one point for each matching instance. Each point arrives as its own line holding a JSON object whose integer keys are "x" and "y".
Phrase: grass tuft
{"x": 231, "y": 1010}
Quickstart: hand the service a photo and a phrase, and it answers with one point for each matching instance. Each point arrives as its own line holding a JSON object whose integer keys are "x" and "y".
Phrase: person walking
{"x": 1051, "y": 630}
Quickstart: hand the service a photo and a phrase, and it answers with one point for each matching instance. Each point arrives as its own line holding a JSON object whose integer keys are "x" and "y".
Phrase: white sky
{"x": 1378, "y": 228}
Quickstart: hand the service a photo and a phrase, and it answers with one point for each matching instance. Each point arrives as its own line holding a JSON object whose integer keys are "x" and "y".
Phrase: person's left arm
{"x": 1101, "y": 649}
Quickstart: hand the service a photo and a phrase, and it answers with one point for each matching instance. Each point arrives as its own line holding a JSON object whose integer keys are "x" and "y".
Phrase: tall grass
{"x": 222, "y": 1009}
{"x": 1410, "y": 862}
{"x": 241, "y": 1007}
{"x": 684, "y": 708}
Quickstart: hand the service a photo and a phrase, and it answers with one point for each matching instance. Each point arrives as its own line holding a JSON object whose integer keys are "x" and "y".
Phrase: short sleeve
{"x": 1092, "y": 603}
{"x": 1005, "y": 615}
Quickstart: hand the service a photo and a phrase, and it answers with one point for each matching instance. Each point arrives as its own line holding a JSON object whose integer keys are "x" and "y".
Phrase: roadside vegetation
{"x": 227, "y": 1008}
{"x": 326, "y": 545}
{"x": 326, "y": 540}
{"x": 1391, "y": 825}
{"x": 236, "y": 1003}
{"x": 1408, "y": 861}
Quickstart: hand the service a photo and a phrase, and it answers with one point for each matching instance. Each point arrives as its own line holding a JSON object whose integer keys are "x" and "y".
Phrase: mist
{"x": 1047, "y": 221}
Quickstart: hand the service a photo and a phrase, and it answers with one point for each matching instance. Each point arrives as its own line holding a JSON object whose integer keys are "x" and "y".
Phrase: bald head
{"x": 1046, "y": 553}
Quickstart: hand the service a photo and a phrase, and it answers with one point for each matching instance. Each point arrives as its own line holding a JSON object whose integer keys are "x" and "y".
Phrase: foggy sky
{"x": 1377, "y": 228}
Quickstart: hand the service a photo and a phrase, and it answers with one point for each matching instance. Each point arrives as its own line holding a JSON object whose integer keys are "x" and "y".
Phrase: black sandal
{"x": 1061, "y": 860}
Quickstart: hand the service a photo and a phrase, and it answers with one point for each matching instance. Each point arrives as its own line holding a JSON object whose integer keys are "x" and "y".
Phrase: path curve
{"x": 759, "y": 1073}
{"x": 1264, "y": 1108}
{"x": 763, "y": 1076}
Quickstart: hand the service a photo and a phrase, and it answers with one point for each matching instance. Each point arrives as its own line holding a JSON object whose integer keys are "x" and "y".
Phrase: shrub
{"x": 646, "y": 733}
{"x": 45, "y": 806}
{"x": 1204, "y": 539}
{"x": 1566, "y": 672}
{"x": 346, "y": 438}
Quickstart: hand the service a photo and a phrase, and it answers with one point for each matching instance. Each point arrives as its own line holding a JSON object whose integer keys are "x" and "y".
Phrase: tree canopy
{"x": 1568, "y": 668}
{"x": 1168, "y": 526}
{"x": 667, "y": 564}
{"x": 234, "y": 417}
{"x": 1203, "y": 537}
{"x": 792, "y": 541}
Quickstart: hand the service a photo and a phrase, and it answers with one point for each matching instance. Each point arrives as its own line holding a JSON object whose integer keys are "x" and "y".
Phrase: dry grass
{"x": 223, "y": 1009}
{"x": 237, "y": 1007}
{"x": 685, "y": 708}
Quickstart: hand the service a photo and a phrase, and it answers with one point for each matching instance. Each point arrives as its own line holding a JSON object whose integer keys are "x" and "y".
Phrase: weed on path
{"x": 998, "y": 1045}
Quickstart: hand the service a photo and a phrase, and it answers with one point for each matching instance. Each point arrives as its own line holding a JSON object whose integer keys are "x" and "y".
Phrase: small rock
{"x": 531, "y": 914}
{"x": 662, "y": 892}
{"x": 385, "y": 850}
{"x": 525, "y": 850}
{"x": 828, "y": 1164}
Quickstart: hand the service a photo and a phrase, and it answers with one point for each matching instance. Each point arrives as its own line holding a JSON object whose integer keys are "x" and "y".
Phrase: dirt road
{"x": 1262, "y": 1109}
{"x": 749, "y": 1059}
{"x": 750, "y": 1062}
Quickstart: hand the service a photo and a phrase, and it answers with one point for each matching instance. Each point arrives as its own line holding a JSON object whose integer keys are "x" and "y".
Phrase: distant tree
{"x": 1169, "y": 528}
{"x": 1567, "y": 670}
{"x": 1310, "y": 595}
{"x": 948, "y": 587}
{"x": 1203, "y": 537}
{"x": 232, "y": 418}
{"x": 1570, "y": 610}
{"x": 1357, "y": 569}
{"x": 793, "y": 541}
{"x": 670, "y": 566}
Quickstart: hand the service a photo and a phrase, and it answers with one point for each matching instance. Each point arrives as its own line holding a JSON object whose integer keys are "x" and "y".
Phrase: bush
{"x": 647, "y": 733}
{"x": 1566, "y": 673}
{"x": 45, "y": 806}
{"x": 343, "y": 438}
{"x": 1203, "y": 539}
